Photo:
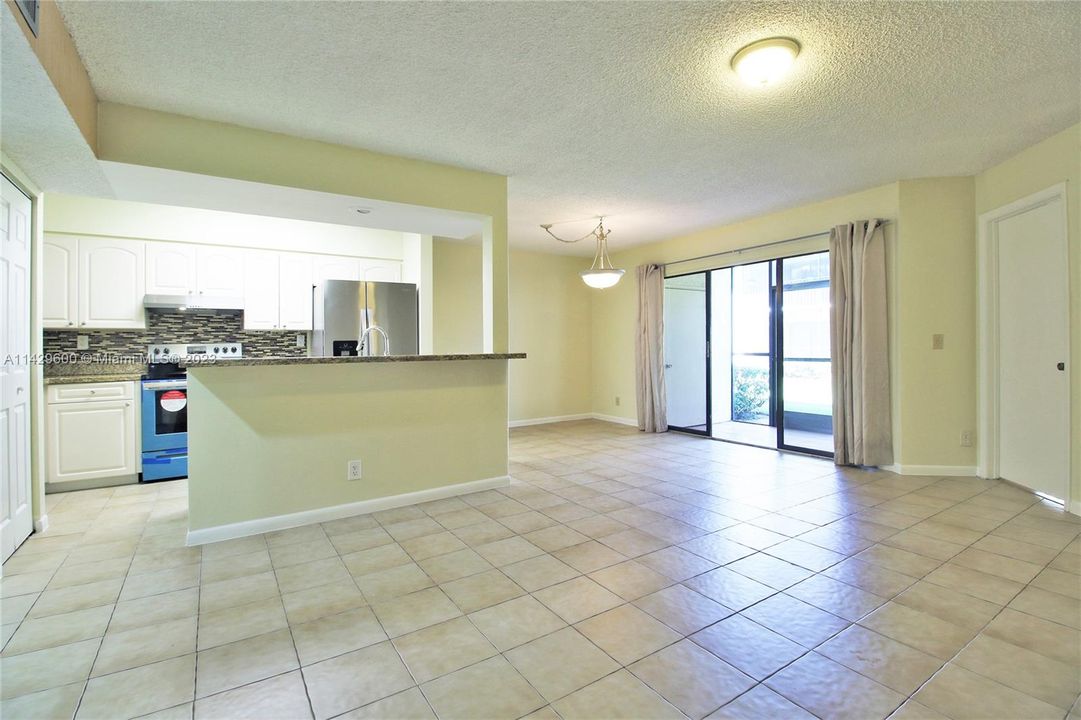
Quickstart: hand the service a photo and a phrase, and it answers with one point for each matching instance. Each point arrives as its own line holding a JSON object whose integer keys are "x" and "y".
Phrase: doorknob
{"x": 1061, "y": 366}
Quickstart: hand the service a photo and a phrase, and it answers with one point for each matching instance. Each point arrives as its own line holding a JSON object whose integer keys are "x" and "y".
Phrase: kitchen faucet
{"x": 363, "y": 341}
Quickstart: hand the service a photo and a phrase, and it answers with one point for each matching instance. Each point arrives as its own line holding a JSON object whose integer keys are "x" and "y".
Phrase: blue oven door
{"x": 165, "y": 414}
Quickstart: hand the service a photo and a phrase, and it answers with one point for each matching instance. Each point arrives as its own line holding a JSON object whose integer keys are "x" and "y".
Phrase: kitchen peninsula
{"x": 271, "y": 439}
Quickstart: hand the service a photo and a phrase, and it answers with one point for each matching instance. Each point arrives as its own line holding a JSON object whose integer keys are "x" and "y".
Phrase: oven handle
{"x": 165, "y": 385}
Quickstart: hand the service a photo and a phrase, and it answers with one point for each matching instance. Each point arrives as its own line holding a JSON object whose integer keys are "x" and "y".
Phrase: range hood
{"x": 195, "y": 304}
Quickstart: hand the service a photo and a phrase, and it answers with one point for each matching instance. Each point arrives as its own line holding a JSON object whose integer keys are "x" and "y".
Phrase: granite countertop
{"x": 344, "y": 360}
{"x": 77, "y": 373}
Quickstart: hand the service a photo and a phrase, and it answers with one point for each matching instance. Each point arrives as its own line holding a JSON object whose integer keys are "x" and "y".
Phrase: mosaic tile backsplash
{"x": 175, "y": 327}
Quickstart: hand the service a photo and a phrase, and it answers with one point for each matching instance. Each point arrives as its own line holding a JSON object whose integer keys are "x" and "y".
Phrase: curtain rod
{"x": 759, "y": 247}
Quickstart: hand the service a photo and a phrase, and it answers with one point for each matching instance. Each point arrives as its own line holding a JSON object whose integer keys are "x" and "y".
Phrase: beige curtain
{"x": 649, "y": 350}
{"x": 859, "y": 344}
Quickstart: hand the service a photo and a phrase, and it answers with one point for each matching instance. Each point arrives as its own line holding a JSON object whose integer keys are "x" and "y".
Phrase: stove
{"x": 165, "y": 404}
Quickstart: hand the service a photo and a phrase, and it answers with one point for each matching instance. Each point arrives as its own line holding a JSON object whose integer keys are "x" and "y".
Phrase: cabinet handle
{"x": 93, "y": 392}
{"x": 70, "y": 324}
{"x": 127, "y": 404}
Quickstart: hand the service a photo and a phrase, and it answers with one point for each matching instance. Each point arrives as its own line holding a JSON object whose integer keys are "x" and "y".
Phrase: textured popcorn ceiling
{"x": 625, "y": 109}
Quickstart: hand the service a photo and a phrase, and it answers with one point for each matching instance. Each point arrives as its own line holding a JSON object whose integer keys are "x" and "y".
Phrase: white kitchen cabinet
{"x": 221, "y": 271}
{"x": 60, "y": 277}
{"x": 111, "y": 283}
{"x": 334, "y": 267}
{"x": 295, "y": 291}
{"x": 380, "y": 270}
{"x": 170, "y": 268}
{"x": 91, "y": 432}
{"x": 261, "y": 290}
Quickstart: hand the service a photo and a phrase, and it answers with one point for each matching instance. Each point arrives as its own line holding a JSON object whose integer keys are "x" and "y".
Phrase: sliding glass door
{"x": 748, "y": 353}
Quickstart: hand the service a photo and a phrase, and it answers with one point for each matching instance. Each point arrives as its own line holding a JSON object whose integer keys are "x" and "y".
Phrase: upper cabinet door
{"x": 170, "y": 268}
{"x": 261, "y": 289}
{"x": 295, "y": 291}
{"x": 221, "y": 271}
{"x": 111, "y": 283}
{"x": 60, "y": 294}
{"x": 334, "y": 267}
{"x": 380, "y": 270}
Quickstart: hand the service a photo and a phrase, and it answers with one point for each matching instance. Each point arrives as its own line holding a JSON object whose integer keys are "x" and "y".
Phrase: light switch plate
{"x": 82, "y": 342}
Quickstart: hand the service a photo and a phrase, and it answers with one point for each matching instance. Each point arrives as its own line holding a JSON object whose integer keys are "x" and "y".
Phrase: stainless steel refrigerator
{"x": 345, "y": 309}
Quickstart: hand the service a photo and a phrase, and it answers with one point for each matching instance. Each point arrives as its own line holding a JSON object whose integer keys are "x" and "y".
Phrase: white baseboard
{"x": 336, "y": 512}
{"x": 615, "y": 419}
{"x": 1075, "y": 507}
{"x": 546, "y": 420}
{"x": 936, "y": 470}
{"x": 41, "y": 524}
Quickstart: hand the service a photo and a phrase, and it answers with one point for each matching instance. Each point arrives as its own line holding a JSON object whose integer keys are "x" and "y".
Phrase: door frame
{"x": 708, "y": 432}
{"x": 987, "y": 410}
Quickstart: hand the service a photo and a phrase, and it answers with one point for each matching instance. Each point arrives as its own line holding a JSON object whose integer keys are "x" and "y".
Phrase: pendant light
{"x": 602, "y": 274}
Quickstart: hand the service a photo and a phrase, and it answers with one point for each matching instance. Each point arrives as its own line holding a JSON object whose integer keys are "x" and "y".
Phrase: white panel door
{"x": 295, "y": 291}
{"x": 90, "y": 440}
{"x": 60, "y": 282}
{"x": 380, "y": 270}
{"x": 221, "y": 271}
{"x": 261, "y": 290}
{"x": 111, "y": 283}
{"x": 170, "y": 268}
{"x": 1033, "y": 401}
{"x": 16, "y": 519}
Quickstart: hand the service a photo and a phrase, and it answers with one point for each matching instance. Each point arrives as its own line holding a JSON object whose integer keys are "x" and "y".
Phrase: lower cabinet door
{"x": 91, "y": 440}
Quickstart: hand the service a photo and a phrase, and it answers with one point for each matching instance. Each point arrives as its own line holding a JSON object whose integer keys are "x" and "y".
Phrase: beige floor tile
{"x": 461, "y": 518}
{"x": 440, "y": 649}
{"x": 483, "y": 532}
{"x": 306, "y": 605}
{"x": 913, "y": 710}
{"x": 676, "y": 563}
{"x": 490, "y": 689}
{"x": 415, "y": 611}
{"x": 516, "y": 622}
{"x": 392, "y": 583}
{"x": 507, "y": 551}
{"x": 409, "y": 529}
{"x": 77, "y": 597}
{"x": 397, "y": 515}
{"x": 729, "y": 588}
{"x": 1059, "y": 581}
{"x": 897, "y": 666}
{"x": 428, "y": 546}
{"x": 748, "y": 646}
{"x": 365, "y": 539}
{"x": 130, "y": 614}
{"x": 991, "y": 588}
{"x": 632, "y": 543}
{"x": 752, "y": 536}
{"x": 695, "y": 681}
{"x": 682, "y": 609}
{"x": 631, "y": 579}
{"x": 57, "y": 703}
{"x": 589, "y": 556}
{"x": 61, "y": 629}
{"x": 539, "y": 572}
{"x": 48, "y": 668}
{"x": 1036, "y": 601}
{"x": 577, "y": 599}
{"x": 240, "y": 622}
{"x": 795, "y": 619}
{"x": 770, "y": 571}
{"x": 145, "y": 645}
{"x": 958, "y": 608}
{"x": 304, "y": 533}
{"x": 831, "y": 690}
{"x": 71, "y": 575}
{"x": 619, "y": 696}
{"x": 302, "y": 552}
{"x": 237, "y": 546}
{"x": 555, "y": 538}
{"x": 1015, "y": 549}
{"x": 1041, "y": 677}
{"x": 42, "y": 562}
{"x": 283, "y": 696}
{"x": 964, "y": 695}
{"x": 991, "y": 563}
{"x": 140, "y": 691}
{"x": 560, "y": 663}
{"x": 160, "y": 582}
{"x": 1038, "y": 635}
{"x": 627, "y": 634}
{"x": 717, "y": 549}
{"x": 806, "y": 555}
{"x": 407, "y": 705}
{"x": 237, "y": 591}
{"x": 482, "y": 590}
{"x": 758, "y": 703}
{"x": 22, "y": 584}
{"x": 454, "y": 565}
{"x": 597, "y": 526}
{"x": 311, "y": 574}
{"x": 14, "y": 609}
{"x": 836, "y": 597}
{"x": 245, "y": 661}
{"x": 918, "y": 630}
{"x": 234, "y": 566}
{"x": 872, "y": 578}
{"x": 382, "y": 557}
{"x": 355, "y": 679}
{"x": 335, "y": 635}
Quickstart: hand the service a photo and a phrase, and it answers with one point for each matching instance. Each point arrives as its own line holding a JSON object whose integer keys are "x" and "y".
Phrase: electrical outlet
{"x": 617, "y": 400}
{"x": 966, "y": 438}
{"x": 302, "y": 340}
{"x": 353, "y": 470}
{"x": 82, "y": 342}
{"x": 938, "y": 341}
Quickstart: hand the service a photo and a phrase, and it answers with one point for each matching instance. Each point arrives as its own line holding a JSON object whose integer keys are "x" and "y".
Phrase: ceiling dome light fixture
{"x": 764, "y": 62}
{"x": 602, "y": 274}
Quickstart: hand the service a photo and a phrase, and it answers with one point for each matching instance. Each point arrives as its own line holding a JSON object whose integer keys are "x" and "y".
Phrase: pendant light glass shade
{"x": 602, "y": 274}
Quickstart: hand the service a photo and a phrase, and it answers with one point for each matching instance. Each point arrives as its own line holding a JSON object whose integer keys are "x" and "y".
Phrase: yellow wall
{"x": 1055, "y": 160}
{"x": 275, "y": 440}
{"x": 550, "y": 321}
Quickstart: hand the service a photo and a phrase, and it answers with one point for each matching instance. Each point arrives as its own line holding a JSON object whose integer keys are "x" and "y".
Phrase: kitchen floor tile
{"x": 516, "y": 622}
{"x": 560, "y": 663}
{"x": 695, "y": 681}
{"x": 336, "y": 634}
{"x": 355, "y": 679}
{"x": 283, "y": 696}
{"x": 627, "y": 634}
{"x": 440, "y": 649}
{"x": 245, "y": 661}
{"x": 490, "y": 689}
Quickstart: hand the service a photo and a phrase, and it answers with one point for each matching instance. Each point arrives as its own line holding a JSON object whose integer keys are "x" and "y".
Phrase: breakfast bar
{"x": 274, "y": 441}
